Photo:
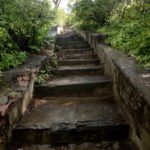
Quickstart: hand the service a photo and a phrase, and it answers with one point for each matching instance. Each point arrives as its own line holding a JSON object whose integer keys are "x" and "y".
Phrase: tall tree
{"x": 97, "y": 11}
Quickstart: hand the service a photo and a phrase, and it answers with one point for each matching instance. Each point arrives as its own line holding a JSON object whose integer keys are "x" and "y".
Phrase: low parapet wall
{"x": 131, "y": 86}
{"x": 17, "y": 94}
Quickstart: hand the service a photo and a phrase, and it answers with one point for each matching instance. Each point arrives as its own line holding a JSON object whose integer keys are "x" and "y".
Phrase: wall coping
{"x": 139, "y": 77}
{"x": 31, "y": 65}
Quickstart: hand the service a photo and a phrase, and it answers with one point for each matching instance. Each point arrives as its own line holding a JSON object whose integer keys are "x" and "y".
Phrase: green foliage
{"x": 128, "y": 30}
{"x": 61, "y": 17}
{"x": 26, "y": 21}
{"x": 53, "y": 59}
{"x": 24, "y": 26}
{"x": 5, "y": 41}
{"x": 52, "y": 56}
{"x": 127, "y": 24}
{"x": 92, "y": 14}
{"x": 41, "y": 77}
{"x": 11, "y": 59}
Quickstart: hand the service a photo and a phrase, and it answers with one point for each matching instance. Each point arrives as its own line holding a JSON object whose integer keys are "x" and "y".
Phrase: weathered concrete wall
{"x": 131, "y": 86}
{"x": 17, "y": 94}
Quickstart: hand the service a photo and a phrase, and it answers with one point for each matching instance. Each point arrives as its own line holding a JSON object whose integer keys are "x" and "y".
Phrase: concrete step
{"x": 74, "y": 46}
{"x": 67, "y": 40}
{"x": 66, "y": 43}
{"x": 121, "y": 145}
{"x": 71, "y": 40}
{"x": 77, "y": 70}
{"x": 75, "y": 86}
{"x": 73, "y": 62}
{"x": 93, "y": 98}
{"x": 72, "y": 121}
{"x": 72, "y": 43}
{"x": 75, "y": 56}
{"x": 75, "y": 51}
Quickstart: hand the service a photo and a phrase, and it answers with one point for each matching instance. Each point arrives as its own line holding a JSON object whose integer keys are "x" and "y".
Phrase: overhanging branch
{"x": 56, "y": 3}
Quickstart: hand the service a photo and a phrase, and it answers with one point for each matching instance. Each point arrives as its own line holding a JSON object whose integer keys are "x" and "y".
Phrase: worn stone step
{"x": 81, "y": 42}
{"x": 72, "y": 121}
{"x": 105, "y": 145}
{"x": 77, "y": 70}
{"x": 79, "y": 61}
{"x": 72, "y": 43}
{"x": 74, "y": 46}
{"x": 75, "y": 51}
{"x": 75, "y": 86}
{"x": 74, "y": 39}
{"x": 66, "y": 98}
{"x": 68, "y": 40}
{"x": 75, "y": 56}
{"x": 71, "y": 37}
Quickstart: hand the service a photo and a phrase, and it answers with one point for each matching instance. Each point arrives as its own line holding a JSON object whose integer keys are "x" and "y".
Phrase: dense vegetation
{"x": 127, "y": 23}
{"x": 24, "y": 26}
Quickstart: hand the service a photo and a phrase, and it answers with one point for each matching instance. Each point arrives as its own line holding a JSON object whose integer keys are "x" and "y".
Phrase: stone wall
{"x": 16, "y": 93}
{"x": 131, "y": 85}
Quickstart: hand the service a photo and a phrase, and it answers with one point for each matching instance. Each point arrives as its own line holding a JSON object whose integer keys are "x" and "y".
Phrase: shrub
{"x": 11, "y": 59}
{"x": 26, "y": 21}
{"x": 128, "y": 30}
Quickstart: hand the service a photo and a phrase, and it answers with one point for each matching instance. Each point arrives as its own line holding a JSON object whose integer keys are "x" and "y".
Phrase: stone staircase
{"x": 76, "y": 110}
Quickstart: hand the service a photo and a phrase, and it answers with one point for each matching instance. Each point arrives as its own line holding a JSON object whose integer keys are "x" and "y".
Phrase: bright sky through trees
{"x": 63, "y": 4}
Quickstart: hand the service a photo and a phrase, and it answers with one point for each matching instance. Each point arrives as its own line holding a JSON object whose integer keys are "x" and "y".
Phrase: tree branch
{"x": 56, "y": 3}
